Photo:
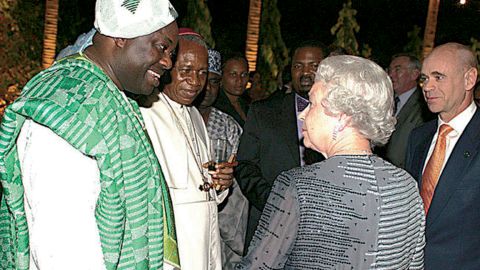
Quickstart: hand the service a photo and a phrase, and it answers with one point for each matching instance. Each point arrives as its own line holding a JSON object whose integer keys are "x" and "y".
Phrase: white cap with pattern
{"x": 214, "y": 62}
{"x": 132, "y": 18}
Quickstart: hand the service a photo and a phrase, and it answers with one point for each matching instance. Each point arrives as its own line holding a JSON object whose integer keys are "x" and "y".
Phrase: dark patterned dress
{"x": 347, "y": 212}
{"x": 222, "y": 126}
{"x": 232, "y": 215}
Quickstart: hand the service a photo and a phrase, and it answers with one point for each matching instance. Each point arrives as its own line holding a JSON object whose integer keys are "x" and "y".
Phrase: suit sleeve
{"x": 409, "y": 154}
{"x": 248, "y": 173}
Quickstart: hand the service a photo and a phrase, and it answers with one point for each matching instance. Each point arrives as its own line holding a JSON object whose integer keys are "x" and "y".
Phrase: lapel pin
{"x": 466, "y": 154}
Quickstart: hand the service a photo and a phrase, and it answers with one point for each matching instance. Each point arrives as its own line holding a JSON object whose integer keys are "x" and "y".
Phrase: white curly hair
{"x": 361, "y": 89}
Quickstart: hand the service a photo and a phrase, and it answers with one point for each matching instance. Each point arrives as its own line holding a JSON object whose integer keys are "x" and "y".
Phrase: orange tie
{"x": 434, "y": 167}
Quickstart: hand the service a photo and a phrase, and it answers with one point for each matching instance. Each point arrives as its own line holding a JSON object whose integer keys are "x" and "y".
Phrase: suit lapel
{"x": 289, "y": 121}
{"x": 462, "y": 155}
{"x": 408, "y": 107}
{"x": 421, "y": 151}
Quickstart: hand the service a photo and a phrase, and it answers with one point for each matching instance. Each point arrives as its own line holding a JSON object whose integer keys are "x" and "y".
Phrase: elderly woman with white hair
{"x": 353, "y": 210}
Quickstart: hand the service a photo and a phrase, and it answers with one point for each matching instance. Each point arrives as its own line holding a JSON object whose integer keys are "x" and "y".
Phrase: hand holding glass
{"x": 219, "y": 153}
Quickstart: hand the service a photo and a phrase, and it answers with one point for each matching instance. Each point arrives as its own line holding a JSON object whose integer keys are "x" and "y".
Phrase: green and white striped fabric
{"x": 134, "y": 214}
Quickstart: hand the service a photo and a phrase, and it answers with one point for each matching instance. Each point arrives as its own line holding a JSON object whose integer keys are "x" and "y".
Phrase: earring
{"x": 335, "y": 132}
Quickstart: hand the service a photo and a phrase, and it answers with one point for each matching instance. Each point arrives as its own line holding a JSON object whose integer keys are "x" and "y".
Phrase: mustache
{"x": 307, "y": 77}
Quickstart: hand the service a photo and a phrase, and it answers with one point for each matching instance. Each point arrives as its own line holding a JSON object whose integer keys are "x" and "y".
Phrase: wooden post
{"x": 253, "y": 33}
{"x": 430, "y": 27}
{"x": 50, "y": 33}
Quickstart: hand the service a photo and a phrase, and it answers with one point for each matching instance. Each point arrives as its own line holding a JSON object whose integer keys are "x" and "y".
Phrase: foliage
{"x": 198, "y": 18}
{"x": 21, "y": 35}
{"x": 366, "y": 51}
{"x": 415, "y": 43}
{"x": 74, "y": 17}
{"x": 346, "y": 28}
{"x": 273, "y": 54}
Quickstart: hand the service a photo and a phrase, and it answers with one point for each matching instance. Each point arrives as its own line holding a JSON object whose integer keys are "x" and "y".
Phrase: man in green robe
{"x": 82, "y": 188}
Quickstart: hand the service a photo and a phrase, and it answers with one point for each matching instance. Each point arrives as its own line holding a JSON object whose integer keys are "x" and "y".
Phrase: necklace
{"x": 194, "y": 149}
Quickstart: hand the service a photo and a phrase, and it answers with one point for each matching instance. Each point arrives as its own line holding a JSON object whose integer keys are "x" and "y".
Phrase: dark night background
{"x": 384, "y": 24}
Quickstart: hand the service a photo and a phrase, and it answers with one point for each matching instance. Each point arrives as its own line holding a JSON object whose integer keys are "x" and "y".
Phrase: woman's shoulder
{"x": 391, "y": 173}
{"x": 360, "y": 167}
{"x": 320, "y": 170}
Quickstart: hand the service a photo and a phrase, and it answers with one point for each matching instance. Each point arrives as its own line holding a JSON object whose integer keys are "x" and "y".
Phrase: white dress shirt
{"x": 403, "y": 98}
{"x": 61, "y": 190}
{"x": 458, "y": 123}
{"x": 301, "y": 147}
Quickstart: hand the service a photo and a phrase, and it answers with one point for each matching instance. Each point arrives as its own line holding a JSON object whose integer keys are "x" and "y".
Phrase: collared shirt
{"x": 459, "y": 123}
{"x": 403, "y": 98}
{"x": 301, "y": 148}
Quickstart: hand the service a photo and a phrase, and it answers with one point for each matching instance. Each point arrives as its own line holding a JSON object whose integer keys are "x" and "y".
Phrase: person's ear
{"x": 343, "y": 121}
{"x": 120, "y": 42}
{"x": 415, "y": 74}
{"x": 470, "y": 78}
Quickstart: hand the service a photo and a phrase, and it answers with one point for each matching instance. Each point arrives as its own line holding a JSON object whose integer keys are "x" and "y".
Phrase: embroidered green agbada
{"x": 134, "y": 215}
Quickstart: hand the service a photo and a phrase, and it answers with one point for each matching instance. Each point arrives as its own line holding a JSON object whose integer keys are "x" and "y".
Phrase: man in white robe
{"x": 181, "y": 143}
{"x": 67, "y": 200}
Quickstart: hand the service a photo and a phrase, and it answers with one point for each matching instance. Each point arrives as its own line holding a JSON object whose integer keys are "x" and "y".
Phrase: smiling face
{"x": 143, "y": 60}
{"x": 447, "y": 83}
{"x": 189, "y": 73}
{"x": 305, "y": 62}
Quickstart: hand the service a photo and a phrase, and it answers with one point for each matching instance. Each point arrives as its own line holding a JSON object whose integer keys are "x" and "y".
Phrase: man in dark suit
{"x": 411, "y": 108}
{"x": 271, "y": 141}
{"x": 443, "y": 156}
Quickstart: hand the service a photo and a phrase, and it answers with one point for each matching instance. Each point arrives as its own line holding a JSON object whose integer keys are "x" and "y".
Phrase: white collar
{"x": 460, "y": 122}
{"x": 175, "y": 105}
{"x": 406, "y": 95}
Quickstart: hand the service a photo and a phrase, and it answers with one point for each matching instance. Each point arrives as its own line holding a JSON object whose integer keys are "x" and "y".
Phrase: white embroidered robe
{"x": 179, "y": 135}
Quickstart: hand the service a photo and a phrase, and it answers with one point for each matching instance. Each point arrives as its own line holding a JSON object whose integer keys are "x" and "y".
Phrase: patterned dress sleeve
{"x": 276, "y": 233}
{"x": 418, "y": 260}
{"x": 234, "y": 131}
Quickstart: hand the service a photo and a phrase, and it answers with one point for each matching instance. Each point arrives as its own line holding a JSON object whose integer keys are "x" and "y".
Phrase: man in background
{"x": 180, "y": 139}
{"x": 233, "y": 212}
{"x": 411, "y": 110}
{"x": 272, "y": 137}
{"x": 443, "y": 156}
